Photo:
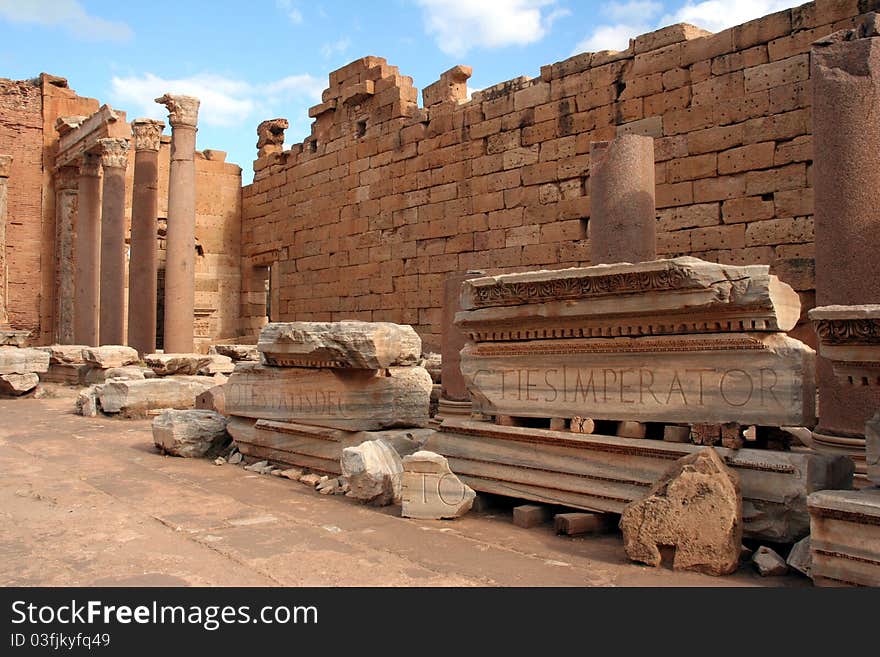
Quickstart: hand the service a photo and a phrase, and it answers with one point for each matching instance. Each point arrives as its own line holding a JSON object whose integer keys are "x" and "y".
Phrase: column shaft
{"x": 88, "y": 239}
{"x": 65, "y": 256}
{"x": 113, "y": 252}
{"x": 5, "y": 166}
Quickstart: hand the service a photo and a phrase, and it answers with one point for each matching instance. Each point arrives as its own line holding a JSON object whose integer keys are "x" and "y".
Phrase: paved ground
{"x": 88, "y": 501}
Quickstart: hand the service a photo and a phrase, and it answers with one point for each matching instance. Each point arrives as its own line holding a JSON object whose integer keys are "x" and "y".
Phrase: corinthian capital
{"x": 182, "y": 110}
{"x": 114, "y": 152}
{"x": 147, "y": 134}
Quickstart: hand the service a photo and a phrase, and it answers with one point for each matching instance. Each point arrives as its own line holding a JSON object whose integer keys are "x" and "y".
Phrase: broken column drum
{"x": 114, "y": 160}
{"x": 143, "y": 262}
{"x": 180, "y": 243}
{"x": 88, "y": 240}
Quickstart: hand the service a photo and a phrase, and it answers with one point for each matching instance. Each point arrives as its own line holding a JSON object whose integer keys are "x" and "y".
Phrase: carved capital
{"x": 65, "y": 178}
{"x": 114, "y": 152}
{"x": 90, "y": 165}
{"x": 5, "y": 165}
{"x": 147, "y": 134}
{"x": 182, "y": 110}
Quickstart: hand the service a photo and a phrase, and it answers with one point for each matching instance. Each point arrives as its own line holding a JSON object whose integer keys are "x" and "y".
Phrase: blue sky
{"x": 250, "y": 61}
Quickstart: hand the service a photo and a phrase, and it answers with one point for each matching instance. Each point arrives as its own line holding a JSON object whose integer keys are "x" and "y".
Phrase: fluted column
{"x": 65, "y": 254}
{"x": 143, "y": 258}
{"x": 5, "y": 167}
{"x": 180, "y": 241}
{"x": 88, "y": 239}
{"x": 114, "y": 160}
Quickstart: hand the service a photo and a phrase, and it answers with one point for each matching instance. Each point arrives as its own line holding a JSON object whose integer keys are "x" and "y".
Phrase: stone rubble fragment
{"x": 768, "y": 562}
{"x": 799, "y": 558}
{"x": 64, "y": 353}
{"x": 430, "y": 490}
{"x": 108, "y": 356}
{"x": 135, "y": 398}
{"x": 184, "y": 364}
{"x": 236, "y": 352}
{"x": 696, "y": 507}
{"x": 18, "y": 384}
{"x": 374, "y": 471}
{"x": 310, "y": 479}
{"x": 190, "y": 433}
{"x": 87, "y": 401}
{"x": 213, "y": 399}
{"x": 15, "y": 360}
{"x": 346, "y": 344}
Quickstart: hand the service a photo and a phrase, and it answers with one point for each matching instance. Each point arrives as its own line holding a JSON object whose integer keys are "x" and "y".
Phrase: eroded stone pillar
{"x": 622, "y": 214}
{"x": 114, "y": 160}
{"x": 88, "y": 255}
{"x": 65, "y": 255}
{"x": 5, "y": 169}
{"x": 143, "y": 259}
{"x": 846, "y": 178}
{"x": 180, "y": 241}
{"x": 454, "y": 398}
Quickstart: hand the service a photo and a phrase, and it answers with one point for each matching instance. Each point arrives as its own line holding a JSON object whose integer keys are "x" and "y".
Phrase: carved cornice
{"x": 853, "y": 330}
{"x": 183, "y": 111}
{"x": 114, "y": 153}
{"x": 147, "y": 134}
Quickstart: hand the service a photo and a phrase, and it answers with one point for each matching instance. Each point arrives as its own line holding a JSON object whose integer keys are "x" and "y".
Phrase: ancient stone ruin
{"x": 636, "y": 292}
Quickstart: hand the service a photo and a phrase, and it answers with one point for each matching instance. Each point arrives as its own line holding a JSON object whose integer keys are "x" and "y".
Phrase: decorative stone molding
{"x": 114, "y": 153}
{"x": 147, "y": 134}
{"x": 849, "y": 336}
{"x": 183, "y": 111}
{"x": 90, "y": 165}
{"x": 5, "y": 165}
{"x": 270, "y": 136}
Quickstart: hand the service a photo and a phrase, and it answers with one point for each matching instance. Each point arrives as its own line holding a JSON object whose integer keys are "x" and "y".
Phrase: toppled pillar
{"x": 622, "y": 213}
{"x": 183, "y": 114}
{"x": 454, "y": 398}
{"x": 450, "y": 88}
{"x": 143, "y": 264}
{"x": 270, "y": 136}
{"x": 846, "y": 177}
{"x": 88, "y": 237}
{"x": 114, "y": 161}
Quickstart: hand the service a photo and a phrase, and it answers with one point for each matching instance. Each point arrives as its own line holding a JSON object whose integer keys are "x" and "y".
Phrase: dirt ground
{"x": 90, "y": 502}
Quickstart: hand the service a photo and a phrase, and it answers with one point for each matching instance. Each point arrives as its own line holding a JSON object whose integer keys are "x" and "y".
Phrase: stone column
{"x": 88, "y": 264}
{"x": 622, "y": 214}
{"x": 5, "y": 169}
{"x": 114, "y": 159}
{"x": 143, "y": 261}
{"x": 65, "y": 255}
{"x": 454, "y": 397}
{"x": 846, "y": 179}
{"x": 180, "y": 243}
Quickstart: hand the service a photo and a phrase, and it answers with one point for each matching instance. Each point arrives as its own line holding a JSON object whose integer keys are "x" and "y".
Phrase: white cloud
{"x": 338, "y": 47}
{"x": 460, "y": 25}
{"x": 290, "y": 10}
{"x": 224, "y": 101}
{"x": 66, "y": 14}
{"x": 634, "y": 17}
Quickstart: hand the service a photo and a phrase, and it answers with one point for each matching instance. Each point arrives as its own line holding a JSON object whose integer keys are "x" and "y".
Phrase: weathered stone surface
{"x": 87, "y": 401}
{"x": 355, "y": 400}
{"x": 186, "y": 364}
{"x": 872, "y": 448}
{"x": 236, "y": 352}
{"x": 768, "y": 563}
{"x": 695, "y": 508}
{"x": 190, "y": 433}
{"x": 374, "y": 471}
{"x": 750, "y": 378}
{"x": 135, "y": 398}
{"x": 15, "y": 360}
{"x": 605, "y": 473}
{"x": 109, "y": 356}
{"x": 18, "y": 384}
{"x": 64, "y": 353}
{"x": 845, "y": 537}
{"x": 66, "y": 373}
{"x": 213, "y": 399}
{"x": 128, "y": 373}
{"x": 680, "y": 295}
{"x": 218, "y": 364}
{"x": 430, "y": 490}
{"x": 349, "y": 344}
{"x": 799, "y": 558}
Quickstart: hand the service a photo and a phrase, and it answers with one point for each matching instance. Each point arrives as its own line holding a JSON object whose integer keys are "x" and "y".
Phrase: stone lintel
{"x": 105, "y": 123}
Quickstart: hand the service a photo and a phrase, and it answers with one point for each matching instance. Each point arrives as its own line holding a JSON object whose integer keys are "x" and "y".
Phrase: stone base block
{"x": 845, "y": 537}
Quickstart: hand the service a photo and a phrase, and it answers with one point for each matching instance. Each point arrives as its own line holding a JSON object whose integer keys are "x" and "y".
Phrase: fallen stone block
{"x": 190, "y": 433}
{"x": 695, "y": 508}
{"x": 374, "y": 471}
{"x": 126, "y": 373}
{"x": 799, "y": 558}
{"x": 530, "y": 515}
{"x": 311, "y": 479}
{"x": 676, "y": 434}
{"x": 66, "y": 373}
{"x": 845, "y": 537}
{"x": 71, "y": 354}
{"x": 87, "y": 403}
{"x": 136, "y": 398}
{"x": 354, "y": 400}
{"x": 15, "y": 360}
{"x": 577, "y": 524}
{"x": 18, "y": 384}
{"x": 347, "y": 344}
{"x": 236, "y": 352}
{"x": 213, "y": 399}
{"x": 218, "y": 365}
{"x": 109, "y": 356}
{"x": 430, "y": 490}
{"x": 768, "y": 563}
{"x": 184, "y": 364}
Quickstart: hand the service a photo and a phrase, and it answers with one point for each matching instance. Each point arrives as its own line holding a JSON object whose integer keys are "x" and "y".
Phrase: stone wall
{"x": 385, "y": 199}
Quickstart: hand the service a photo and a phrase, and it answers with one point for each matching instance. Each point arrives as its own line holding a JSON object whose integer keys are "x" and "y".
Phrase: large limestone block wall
{"x": 366, "y": 218}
